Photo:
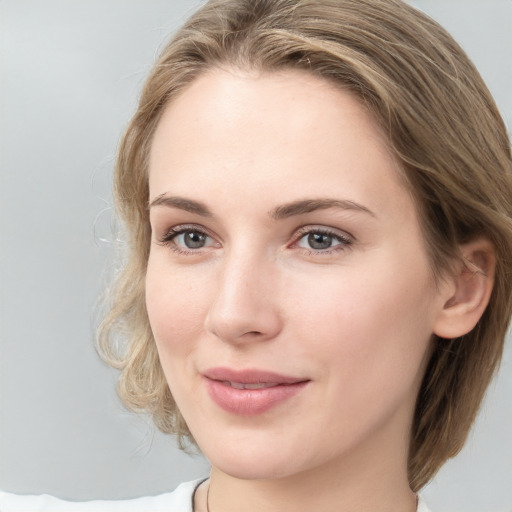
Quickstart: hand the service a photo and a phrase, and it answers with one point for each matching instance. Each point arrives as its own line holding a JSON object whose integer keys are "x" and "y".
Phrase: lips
{"x": 241, "y": 385}
{"x": 250, "y": 392}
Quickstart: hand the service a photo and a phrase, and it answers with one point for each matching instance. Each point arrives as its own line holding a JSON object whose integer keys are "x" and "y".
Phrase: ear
{"x": 470, "y": 291}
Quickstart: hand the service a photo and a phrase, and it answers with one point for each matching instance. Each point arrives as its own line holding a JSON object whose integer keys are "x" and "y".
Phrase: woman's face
{"x": 288, "y": 285}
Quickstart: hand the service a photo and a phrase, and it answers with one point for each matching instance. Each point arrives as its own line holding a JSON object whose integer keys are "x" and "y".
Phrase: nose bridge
{"x": 243, "y": 307}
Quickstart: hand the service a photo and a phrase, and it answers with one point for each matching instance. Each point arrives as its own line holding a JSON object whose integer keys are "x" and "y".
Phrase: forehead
{"x": 253, "y": 100}
{"x": 286, "y": 131}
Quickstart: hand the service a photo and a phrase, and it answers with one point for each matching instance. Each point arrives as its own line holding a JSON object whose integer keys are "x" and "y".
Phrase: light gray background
{"x": 70, "y": 73}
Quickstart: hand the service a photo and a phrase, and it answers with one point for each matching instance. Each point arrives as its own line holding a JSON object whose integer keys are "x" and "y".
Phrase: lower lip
{"x": 250, "y": 402}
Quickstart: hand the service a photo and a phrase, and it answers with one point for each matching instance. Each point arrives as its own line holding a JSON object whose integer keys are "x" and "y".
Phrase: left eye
{"x": 320, "y": 241}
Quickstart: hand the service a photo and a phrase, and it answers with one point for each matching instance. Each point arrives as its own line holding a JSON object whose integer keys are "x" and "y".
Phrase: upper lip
{"x": 250, "y": 376}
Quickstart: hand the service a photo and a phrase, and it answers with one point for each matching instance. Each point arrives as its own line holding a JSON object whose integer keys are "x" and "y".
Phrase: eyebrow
{"x": 182, "y": 204}
{"x": 310, "y": 205}
{"x": 284, "y": 211}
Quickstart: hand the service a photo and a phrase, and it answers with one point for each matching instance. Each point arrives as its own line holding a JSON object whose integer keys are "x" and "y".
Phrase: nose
{"x": 245, "y": 307}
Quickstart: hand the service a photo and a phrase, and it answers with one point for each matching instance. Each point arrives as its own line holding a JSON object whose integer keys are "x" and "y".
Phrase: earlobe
{"x": 472, "y": 290}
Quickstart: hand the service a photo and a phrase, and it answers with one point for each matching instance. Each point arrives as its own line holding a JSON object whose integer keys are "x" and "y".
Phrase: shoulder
{"x": 180, "y": 500}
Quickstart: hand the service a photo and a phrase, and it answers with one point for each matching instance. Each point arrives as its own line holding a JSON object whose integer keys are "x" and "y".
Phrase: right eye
{"x": 191, "y": 239}
{"x": 183, "y": 239}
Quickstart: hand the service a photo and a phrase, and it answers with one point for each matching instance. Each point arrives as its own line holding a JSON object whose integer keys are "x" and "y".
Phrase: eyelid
{"x": 346, "y": 239}
{"x": 169, "y": 235}
{"x": 318, "y": 228}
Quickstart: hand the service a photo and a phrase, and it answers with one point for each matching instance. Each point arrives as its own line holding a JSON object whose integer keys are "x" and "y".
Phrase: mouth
{"x": 250, "y": 392}
{"x": 241, "y": 385}
{"x": 250, "y": 377}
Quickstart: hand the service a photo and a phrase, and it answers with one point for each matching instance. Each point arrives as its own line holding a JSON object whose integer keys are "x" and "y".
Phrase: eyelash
{"x": 345, "y": 241}
{"x": 168, "y": 239}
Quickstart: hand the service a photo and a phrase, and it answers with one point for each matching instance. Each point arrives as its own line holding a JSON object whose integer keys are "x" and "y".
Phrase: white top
{"x": 179, "y": 500}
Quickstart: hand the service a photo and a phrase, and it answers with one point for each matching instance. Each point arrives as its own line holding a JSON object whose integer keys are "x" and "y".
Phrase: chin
{"x": 269, "y": 459}
{"x": 247, "y": 459}
{"x": 249, "y": 470}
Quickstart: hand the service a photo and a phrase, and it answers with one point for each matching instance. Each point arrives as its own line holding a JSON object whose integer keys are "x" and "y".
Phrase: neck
{"x": 365, "y": 488}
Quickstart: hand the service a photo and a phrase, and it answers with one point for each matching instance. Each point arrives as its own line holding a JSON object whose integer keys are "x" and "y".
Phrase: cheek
{"x": 175, "y": 306}
{"x": 374, "y": 325}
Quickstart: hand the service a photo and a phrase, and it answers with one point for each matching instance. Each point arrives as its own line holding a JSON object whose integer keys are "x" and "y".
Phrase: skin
{"x": 355, "y": 319}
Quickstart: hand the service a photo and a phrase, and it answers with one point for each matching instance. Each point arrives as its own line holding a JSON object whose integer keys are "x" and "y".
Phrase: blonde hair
{"x": 443, "y": 126}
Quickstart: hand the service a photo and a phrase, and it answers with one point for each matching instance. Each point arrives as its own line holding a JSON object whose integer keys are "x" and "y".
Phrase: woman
{"x": 318, "y": 199}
